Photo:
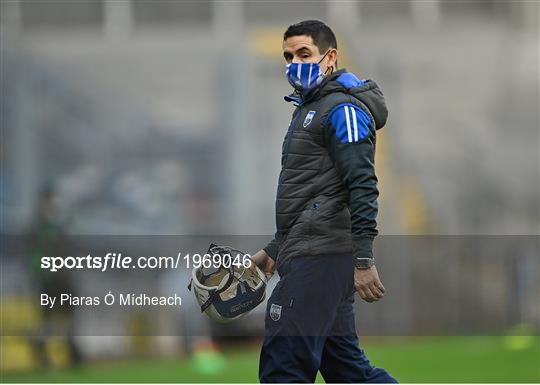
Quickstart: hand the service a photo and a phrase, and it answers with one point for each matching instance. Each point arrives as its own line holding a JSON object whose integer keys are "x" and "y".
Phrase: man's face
{"x": 301, "y": 49}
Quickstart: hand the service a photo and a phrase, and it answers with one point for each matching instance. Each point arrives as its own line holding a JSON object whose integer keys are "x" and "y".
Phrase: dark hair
{"x": 322, "y": 35}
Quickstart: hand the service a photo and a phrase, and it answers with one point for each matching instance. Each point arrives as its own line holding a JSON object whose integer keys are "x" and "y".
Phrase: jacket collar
{"x": 300, "y": 99}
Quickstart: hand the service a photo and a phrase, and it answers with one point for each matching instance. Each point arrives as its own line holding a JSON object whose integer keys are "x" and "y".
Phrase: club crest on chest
{"x": 309, "y": 118}
{"x": 275, "y": 312}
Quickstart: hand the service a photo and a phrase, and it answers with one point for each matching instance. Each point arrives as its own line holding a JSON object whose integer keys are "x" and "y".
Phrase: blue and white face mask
{"x": 305, "y": 76}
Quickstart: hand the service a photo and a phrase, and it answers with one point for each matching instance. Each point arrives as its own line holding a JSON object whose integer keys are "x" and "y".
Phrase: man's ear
{"x": 332, "y": 58}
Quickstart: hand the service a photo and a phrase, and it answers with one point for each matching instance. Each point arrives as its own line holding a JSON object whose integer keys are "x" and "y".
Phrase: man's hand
{"x": 264, "y": 262}
{"x": 368, "y": 284}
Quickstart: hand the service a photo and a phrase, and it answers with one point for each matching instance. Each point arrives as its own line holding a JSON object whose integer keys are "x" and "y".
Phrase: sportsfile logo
{"x": 118, "y": 261}
{"x": 110, "y": 261}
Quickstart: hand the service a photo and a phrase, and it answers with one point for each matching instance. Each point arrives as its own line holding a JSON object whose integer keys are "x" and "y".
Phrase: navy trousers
{"x": 310, "y": 326}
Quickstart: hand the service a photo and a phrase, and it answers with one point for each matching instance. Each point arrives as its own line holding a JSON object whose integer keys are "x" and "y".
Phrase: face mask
{"x": 305, "y": 76}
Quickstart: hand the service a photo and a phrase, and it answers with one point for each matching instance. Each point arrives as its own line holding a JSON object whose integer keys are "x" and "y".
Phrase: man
{"x": 326, "y": 207}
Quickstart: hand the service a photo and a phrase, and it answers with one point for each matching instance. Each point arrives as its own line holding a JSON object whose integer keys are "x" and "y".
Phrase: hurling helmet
{"x": 229, "y": 290}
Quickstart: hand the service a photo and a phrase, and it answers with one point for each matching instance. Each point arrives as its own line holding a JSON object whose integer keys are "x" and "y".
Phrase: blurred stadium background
{"x": 152, "y": 117}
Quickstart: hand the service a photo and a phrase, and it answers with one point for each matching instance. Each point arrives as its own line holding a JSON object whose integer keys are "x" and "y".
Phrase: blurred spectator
{"x": 47, "y": 239}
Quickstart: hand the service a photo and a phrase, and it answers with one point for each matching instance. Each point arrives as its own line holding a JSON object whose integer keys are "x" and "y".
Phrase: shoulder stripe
{"x": 354, "y": 124}
{"x": 349, "y": 134}
{"x": 350, "y": 122}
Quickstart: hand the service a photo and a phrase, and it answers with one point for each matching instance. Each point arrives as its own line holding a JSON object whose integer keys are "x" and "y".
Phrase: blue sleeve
{"x": 350, "y": 140}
